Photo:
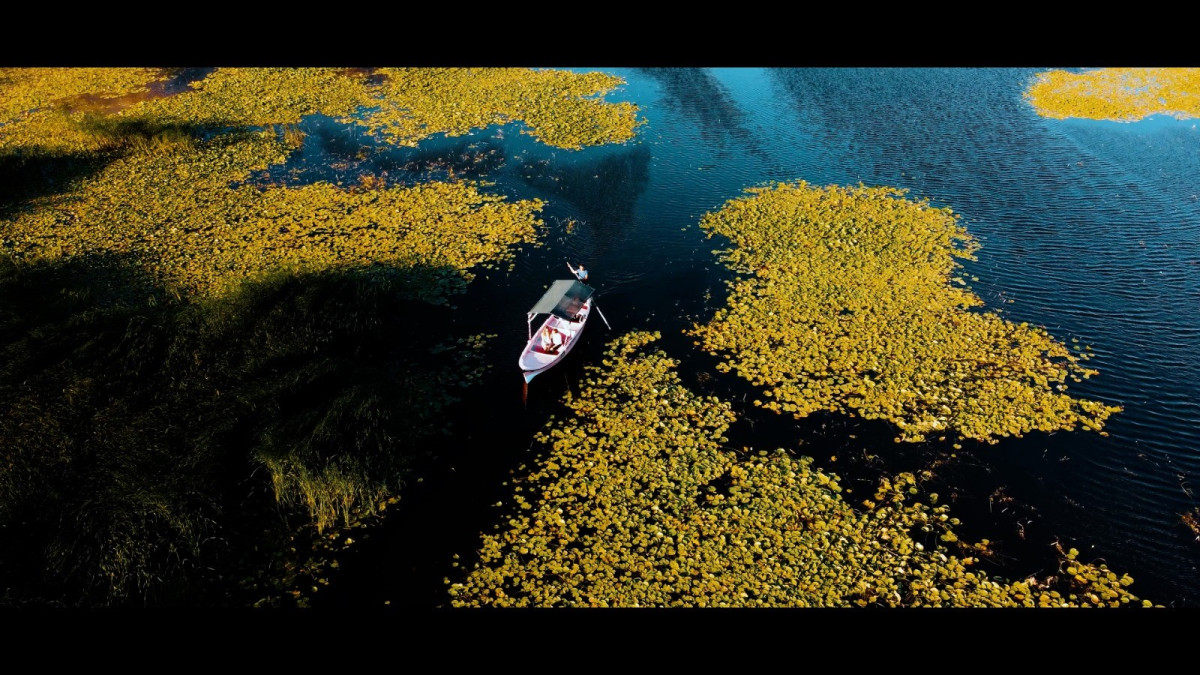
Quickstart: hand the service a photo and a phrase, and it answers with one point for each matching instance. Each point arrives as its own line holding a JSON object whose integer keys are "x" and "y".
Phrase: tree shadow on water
{"x": 701, "y": 98}
{"x": 25, "y": 178}
{"x": 604, "y": 190}
{"x": 337, "y": 151}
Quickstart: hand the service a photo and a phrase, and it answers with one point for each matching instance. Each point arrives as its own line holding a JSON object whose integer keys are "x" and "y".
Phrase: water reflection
{"x": 175, "y": 81}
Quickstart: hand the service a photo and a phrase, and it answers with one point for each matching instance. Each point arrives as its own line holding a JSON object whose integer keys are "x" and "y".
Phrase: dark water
{"x": 1090, "y": 229}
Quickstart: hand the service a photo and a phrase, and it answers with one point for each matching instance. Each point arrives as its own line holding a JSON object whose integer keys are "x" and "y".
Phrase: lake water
{"x": 1091, "y": 229}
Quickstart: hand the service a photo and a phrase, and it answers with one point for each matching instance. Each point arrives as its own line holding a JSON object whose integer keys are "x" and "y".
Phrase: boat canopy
{"x": 563, "y": 299}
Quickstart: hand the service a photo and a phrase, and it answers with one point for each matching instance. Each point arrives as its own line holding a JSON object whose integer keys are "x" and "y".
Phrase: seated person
{"x": 551, "y": 339}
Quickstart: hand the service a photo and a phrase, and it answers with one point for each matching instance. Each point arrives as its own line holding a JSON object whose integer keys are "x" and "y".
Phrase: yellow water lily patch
{"x": 560, "y": 108}
{"x": 162, "y": 180}
{"x": 1117, "y": 94}
{"x": 848, "y": 304}
{"x": 638, "y": 502}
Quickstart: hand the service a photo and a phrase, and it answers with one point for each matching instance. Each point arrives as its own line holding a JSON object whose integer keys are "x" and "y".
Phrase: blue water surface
{"x": 1090, "y": 229}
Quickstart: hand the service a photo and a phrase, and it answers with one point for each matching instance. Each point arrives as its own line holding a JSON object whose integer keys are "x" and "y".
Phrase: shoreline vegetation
{"x": 198, "y": 376}
{"x": 1116, "y": 94}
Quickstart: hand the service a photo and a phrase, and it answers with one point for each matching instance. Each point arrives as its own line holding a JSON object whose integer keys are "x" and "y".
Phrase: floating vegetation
{"x": 167, "y": 188}
{"x": 1117, "y": 94}
{"x": 257, "y": 97}
{"x": 638, "y": 503}
{"x": 210, "y": 325}
{"x": 560, "y": 108}
{"x": 169, "y": 201}
{"x": 1191, "y": 520}
{"x": 851, "y": 307}
{"x": 35, "y": 115}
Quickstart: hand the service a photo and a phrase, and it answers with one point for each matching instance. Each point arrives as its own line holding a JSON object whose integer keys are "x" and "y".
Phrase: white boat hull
{"x": 534, "y": 359}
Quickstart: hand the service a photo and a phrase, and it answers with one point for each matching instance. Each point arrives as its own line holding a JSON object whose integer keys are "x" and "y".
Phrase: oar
{"x": 595, "y": 307}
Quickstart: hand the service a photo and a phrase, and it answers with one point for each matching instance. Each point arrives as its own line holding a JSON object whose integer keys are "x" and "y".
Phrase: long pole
{"x": 597, "y": 308}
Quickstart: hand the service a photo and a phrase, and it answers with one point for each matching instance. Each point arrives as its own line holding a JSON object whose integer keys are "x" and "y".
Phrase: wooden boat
{"x": 567, "y": 304}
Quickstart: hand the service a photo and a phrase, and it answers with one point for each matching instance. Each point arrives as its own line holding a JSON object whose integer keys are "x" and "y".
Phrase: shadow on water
{"x": 26, "y": 178}
{"x": 140, "y": 428}
{"x": 602, "y": 191}
{"x": 703, "y": 99}
{"x": 30, "y": 174}
{"x": 180, "y": 80}
{"x": 924, "y": 128}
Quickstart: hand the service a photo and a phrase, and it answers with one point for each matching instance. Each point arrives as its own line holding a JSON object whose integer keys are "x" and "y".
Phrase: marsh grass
{"x": 292, "y": 135}
{"x": 201, "y": 377}
{"x": 162, "y": 452}
{"x": 141, "y": 136}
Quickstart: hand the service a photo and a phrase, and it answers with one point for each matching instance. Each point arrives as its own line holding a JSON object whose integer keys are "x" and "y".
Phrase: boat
{"x": 567, "y": 305}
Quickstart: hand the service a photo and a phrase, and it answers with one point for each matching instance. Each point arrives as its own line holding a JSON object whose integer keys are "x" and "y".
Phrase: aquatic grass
{"x": 638, "y": 502}
{"x": 559, "y": 108}
{"x": 1191, "y": 520}
{"x": 850, "y": 303}
{"x": 100, "y": 498}
{"x": 33, "y": 113}
{"x": 1116, "y": 94}
{"x": 139, "y": 136}
{"x": 292, "y": 136}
